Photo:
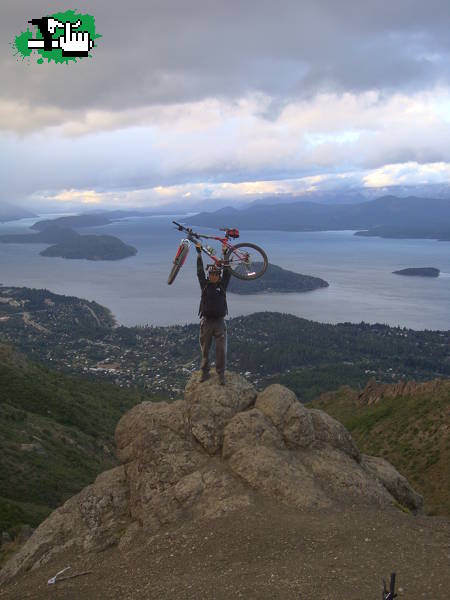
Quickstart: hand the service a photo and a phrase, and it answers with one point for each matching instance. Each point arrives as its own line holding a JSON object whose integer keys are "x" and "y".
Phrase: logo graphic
{"x": 61, "y": 37}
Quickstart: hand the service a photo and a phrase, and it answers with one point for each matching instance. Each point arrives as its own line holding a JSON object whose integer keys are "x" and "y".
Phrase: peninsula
{"x": 276, "y": 280}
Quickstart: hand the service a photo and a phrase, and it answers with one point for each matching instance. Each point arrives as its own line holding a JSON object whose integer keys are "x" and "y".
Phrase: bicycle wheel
{"x": 178, "y": 262}
{"x": 246, "y": 261}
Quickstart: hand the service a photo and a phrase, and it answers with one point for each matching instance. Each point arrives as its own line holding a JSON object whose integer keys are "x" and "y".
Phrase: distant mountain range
{"x": 89, "y": 219}
{"x": 94, "y": 219}
{"x": 9, "y": 212}
{"x": 73, "y": 221}
{"x": 388, "y": 216}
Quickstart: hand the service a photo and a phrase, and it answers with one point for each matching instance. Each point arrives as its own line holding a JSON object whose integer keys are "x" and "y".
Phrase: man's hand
{"x": 72, "y": 41}
{"x": 198, "y": 247}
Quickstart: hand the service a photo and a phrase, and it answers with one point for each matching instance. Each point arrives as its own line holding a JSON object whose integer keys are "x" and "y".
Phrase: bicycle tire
{"x": 241, "y": 271}
{"x": 177, "y": 264}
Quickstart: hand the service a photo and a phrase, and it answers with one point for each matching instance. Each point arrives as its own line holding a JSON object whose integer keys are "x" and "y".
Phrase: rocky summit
{"x": 220, "y": 449}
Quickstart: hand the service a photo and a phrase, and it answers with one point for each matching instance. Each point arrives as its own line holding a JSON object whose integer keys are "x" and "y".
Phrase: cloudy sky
{"x": 213, "y": 101}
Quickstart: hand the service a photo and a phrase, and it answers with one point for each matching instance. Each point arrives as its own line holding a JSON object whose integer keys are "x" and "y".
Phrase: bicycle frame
{"x": 225, "y": 244}
{"x": 237, "y": 257}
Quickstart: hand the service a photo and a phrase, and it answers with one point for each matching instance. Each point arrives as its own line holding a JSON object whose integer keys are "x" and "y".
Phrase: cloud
{"x": 410, "y": 173}
{"x": 176, "y": 52}
{"x": 217, "y": 141}
{"x": 218, "y": 99}
{"x": 79, "y": 196}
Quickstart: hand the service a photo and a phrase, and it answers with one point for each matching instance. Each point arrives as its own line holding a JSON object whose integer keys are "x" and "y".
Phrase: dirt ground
{"x": 269, "y": 552}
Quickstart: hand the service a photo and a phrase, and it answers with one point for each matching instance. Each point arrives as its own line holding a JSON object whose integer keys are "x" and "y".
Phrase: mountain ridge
{"x": 429, "y": 217}
{"x": 406, "y": 422}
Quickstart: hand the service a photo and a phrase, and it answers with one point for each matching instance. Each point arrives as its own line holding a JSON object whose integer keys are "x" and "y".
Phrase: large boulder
{"x": 216, "y": 450}
{"x": 393, "y": 481}
{"x": 279, "y": 475}
{"x": 211, "y": 406}
{"x": 248, "y": 429}
{"x": 158, "y": 451}
{"x": 292, "y": 419}
{"x": 333, "y": 433}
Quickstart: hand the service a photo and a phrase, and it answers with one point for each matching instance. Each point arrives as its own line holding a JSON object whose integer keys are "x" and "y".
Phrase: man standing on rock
{"x": 213, "y": 308}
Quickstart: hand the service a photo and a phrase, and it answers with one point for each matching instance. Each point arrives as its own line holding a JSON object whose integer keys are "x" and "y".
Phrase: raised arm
{"x": 226, "y": 277}
{"x": 200, "y": 269}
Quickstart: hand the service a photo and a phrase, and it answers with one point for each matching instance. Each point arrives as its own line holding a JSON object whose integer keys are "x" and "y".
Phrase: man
{"x": 213, "y": 308}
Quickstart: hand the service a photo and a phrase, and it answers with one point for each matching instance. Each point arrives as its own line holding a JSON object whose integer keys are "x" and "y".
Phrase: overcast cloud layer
{"x": 224, "y": 99}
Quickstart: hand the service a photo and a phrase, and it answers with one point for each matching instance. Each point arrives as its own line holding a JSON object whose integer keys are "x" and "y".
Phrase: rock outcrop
{"x": 209, "y": 454}
{"x": 375, "y": 392}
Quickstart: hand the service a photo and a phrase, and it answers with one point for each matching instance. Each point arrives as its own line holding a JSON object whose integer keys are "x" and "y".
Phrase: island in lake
{"x": 419, "y": 272}
{"x": 276, "y": 280}
{"x": 67, "y": 243}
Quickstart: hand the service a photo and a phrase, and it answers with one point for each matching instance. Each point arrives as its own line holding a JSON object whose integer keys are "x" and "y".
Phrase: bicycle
{"x": 247, "y": 261}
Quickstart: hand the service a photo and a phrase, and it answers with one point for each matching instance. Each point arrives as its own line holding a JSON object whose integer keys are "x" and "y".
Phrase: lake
{"x": 358, "y": 269}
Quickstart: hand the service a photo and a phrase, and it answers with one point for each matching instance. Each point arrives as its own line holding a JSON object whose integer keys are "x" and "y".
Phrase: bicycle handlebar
{"x": 188, "y": 230}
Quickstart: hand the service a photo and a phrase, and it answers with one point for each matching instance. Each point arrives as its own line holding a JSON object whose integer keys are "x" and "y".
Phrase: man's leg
{"x": 205, "y": 338}
{"x": 220, "y": 333}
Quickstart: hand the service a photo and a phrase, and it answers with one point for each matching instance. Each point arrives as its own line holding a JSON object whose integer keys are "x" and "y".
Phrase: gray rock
{"x": 288, "y": 415}
{"x": 248, "y": 429}
{"x": 393, "y": 481}
{"x": 330, "y": 431}
{"x": 342, "y": 478}
{"x": 139, "y": 430}
{"x": 211, "y": 406}
{"x": 276, "y": 474}
{"x": 156, "y": 446}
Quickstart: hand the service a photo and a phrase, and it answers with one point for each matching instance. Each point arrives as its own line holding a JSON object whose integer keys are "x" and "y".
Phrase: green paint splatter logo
{"x": 61, "y": 37}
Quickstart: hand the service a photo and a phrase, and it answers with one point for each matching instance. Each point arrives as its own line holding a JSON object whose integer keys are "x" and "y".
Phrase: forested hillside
{"x": 56, "y": 435}
{"x": 80, "y": 337}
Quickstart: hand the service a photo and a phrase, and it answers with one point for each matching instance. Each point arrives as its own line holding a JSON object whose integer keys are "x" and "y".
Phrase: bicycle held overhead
{"x": 246, "y": 260}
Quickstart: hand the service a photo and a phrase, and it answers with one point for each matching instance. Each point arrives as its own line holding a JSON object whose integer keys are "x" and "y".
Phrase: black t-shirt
{"x": 213, "y": 302}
